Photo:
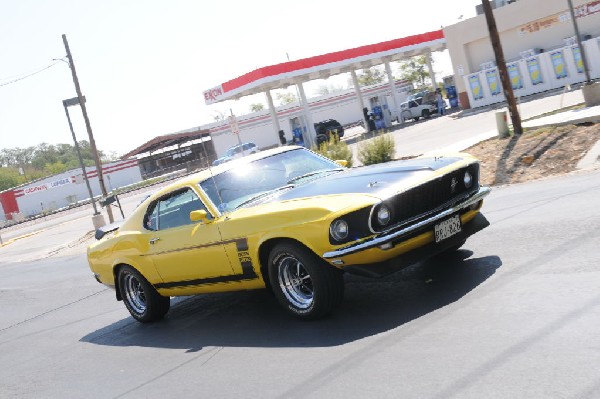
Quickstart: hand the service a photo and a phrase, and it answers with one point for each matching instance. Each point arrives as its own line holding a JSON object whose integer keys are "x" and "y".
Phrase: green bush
{"x": 335, "y": 150}
{"x": 378, "y": 150}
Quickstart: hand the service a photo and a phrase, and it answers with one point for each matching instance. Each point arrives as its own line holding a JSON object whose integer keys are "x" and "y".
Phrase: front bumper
{"x": 390, "y": 238}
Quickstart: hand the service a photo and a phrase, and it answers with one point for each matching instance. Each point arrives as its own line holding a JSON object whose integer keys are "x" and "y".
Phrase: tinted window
{"x": 173, "y": 210}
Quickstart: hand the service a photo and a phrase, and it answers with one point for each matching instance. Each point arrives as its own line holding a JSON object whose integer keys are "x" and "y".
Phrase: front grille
{"x": 420, "y": 200}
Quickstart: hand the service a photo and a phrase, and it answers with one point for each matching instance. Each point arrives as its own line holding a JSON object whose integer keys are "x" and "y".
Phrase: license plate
{"x": 447, "y": 228}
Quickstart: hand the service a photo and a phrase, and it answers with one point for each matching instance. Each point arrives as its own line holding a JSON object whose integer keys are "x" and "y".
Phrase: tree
{"x": 415, "y": 70}
{"x": 219, "y": 116}
{"x": 41, "y": 161}
{"x": 9, "y": 177}
{"x": 257, "y": 107}
{"x": 370, "y": 76}
{"x": 286, "y": 98}
{"x": 324, "y": 89}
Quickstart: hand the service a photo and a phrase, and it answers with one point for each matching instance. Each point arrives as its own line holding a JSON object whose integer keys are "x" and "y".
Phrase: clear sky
{"x": 143, "y": 65}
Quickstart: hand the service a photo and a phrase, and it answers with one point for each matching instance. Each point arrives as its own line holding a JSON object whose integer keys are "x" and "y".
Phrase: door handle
{"x": 153, "y": 241}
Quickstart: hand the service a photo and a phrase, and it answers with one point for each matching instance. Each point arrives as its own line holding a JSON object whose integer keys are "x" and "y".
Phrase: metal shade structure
{"x": 167, "y": 140}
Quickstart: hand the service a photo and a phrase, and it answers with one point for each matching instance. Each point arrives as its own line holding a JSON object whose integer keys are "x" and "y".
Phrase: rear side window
{"x": 173, "y": 210}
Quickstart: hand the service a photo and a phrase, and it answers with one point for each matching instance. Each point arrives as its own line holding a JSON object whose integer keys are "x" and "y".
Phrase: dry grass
{"x": 537, "y": 153}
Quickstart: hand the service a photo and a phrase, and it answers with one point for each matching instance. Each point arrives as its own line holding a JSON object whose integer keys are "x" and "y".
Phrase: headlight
{"x": 339, "y": 230}
{"x": 468, "y": 180}
{"x": 383, "y": 215}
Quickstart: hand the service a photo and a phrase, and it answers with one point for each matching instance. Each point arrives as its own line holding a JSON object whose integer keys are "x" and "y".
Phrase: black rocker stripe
{"x": 241, "y": 244}
{"x": 248, "y": 272}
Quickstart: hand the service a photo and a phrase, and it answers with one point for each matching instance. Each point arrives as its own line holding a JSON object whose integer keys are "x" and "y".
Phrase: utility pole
{"x": 504, "y": 78}
{"x": 578, "y": 37}
{"x": 66, "y": 103}
{"x": 88, "y": 127}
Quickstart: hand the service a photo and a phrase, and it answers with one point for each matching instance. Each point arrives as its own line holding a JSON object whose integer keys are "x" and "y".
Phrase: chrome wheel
{"x": 295, "y": 281}
{"x": 134, "y": 293}
{"x": 142, "y": 300}
{"x": 306, "y": 286}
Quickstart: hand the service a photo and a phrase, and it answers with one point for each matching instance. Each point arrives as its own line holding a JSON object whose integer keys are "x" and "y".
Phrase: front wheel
{"x": 305, "y": 285}
{"x": 140, "y": 297}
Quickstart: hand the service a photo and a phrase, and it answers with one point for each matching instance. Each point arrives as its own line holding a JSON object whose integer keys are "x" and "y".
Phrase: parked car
{"x": 325, "y": 129}
{"x": 289, "y": 220}
{"x": 237, "y": 151}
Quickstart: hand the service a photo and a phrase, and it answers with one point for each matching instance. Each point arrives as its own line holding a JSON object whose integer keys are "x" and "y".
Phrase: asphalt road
{"x": 513, "y": 314}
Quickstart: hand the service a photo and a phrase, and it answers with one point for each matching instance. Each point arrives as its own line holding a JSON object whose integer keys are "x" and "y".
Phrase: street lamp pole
{"x": 88, "y": 127}
{"x": 66, "y": 103}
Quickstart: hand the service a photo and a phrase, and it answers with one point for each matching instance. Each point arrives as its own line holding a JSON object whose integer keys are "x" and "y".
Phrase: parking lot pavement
{"x": 461, "y": 130}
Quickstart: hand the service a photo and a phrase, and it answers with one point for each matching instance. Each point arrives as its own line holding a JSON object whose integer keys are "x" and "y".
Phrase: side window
{"x": 151, "y": 218}
{"x": 173, "y": 210}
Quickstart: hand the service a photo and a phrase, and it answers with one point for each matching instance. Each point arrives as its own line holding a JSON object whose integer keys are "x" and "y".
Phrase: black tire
{"x": 426, "y": 114}
{"x": 140, "y": 297}
{"x": 305, "y": 285}
{"x": 416, "y": 118}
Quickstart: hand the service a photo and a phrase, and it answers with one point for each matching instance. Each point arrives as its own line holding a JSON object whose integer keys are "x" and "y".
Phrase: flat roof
{"x": 324, "y": 66}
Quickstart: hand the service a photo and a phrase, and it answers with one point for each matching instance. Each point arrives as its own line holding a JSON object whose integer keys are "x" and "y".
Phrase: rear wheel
{"x": 141, "y": 299}
{"x": 305, "y": 285}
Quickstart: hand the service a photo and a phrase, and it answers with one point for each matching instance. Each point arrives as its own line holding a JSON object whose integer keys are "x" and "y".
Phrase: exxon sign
{"x": 211, "y": 96}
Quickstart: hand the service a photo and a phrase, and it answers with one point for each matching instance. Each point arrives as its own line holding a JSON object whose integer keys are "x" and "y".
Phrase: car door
{"x": 185, "y": 253}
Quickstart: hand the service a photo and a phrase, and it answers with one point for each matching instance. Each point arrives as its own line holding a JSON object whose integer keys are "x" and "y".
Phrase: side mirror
{"x": 199, "y": 216}
{"x": 341, "y": 162}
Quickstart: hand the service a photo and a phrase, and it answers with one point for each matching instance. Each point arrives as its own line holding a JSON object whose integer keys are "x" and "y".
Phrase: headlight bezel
{"x": 337, "y": 234}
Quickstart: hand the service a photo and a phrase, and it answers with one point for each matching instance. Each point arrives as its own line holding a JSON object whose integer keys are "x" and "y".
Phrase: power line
{"x": 29, "y": 75}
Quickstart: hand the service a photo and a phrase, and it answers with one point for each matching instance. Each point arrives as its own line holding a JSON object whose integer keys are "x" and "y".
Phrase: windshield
{"x": 242, "y": 185}
{"x": 232, "y": 151}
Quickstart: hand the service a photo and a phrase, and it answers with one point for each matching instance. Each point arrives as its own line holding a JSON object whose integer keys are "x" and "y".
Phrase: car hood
{"x": 381, "y": 180}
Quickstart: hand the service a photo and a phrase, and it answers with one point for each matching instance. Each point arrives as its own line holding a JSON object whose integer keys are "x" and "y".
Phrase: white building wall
{"x": 523, "y": 25}
{"x": 67, "y": 188}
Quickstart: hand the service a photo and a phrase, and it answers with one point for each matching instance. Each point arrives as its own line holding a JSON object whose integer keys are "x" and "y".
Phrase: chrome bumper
{"x": 380, "y": 240}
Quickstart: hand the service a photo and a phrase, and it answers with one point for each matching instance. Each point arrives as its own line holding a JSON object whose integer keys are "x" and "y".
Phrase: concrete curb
{"x": 592, "y": 157}
{"x": 573, "y": 117}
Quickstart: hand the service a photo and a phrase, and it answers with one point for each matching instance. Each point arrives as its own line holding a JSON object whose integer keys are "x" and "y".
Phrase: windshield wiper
{"x": 264, "y": 194}
{"x": 317, "y": 172}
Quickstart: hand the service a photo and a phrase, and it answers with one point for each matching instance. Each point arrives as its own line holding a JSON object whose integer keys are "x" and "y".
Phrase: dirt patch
{"x": 537, "y": 153}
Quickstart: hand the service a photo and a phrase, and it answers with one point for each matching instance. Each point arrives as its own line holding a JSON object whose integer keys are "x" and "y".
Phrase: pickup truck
{"x": 416, "y": 109}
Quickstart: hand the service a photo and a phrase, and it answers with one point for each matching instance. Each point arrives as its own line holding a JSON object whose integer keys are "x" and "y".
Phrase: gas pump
{"x": 379, "y": 113}
{"x": 450, "y": 88}
{"x": 297, "y": 131}
{"x": 452, "y": 96}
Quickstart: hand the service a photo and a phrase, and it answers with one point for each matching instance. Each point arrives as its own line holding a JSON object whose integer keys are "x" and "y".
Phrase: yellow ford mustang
{"x": 289, "y": 220}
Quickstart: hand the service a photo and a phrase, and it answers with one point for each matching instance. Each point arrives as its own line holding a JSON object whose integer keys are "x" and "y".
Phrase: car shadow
{"x": 254, "y": 319}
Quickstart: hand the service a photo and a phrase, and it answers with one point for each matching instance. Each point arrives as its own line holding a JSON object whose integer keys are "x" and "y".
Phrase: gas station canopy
{"x": 326, "y": 65}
